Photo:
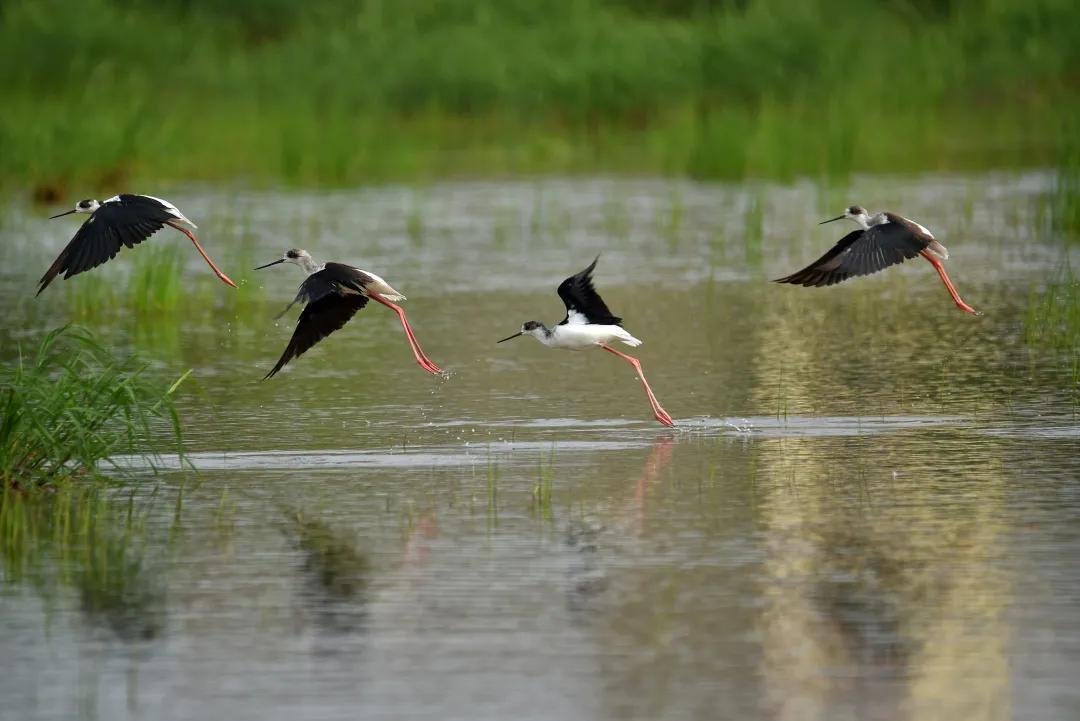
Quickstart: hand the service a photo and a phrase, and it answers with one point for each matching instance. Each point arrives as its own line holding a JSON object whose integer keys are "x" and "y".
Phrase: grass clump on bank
{"x": 71, "y": 409}
{"x": 339, "y": 92}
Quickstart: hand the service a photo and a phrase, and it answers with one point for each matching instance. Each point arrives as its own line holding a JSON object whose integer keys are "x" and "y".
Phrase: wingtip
{"x": 50, "y": 275}
{"x": 591, "y": 267}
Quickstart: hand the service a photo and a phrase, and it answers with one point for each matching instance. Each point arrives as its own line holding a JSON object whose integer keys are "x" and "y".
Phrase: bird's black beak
{"x": 279, "y": 260}
{"x": 830, "y": 220}
{"x": 61, "y": 215}
{"x": 510, "y": 337}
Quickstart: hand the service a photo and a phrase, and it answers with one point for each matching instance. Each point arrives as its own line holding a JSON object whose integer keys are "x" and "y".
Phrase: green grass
{"x": 153, "y": 286}
{"x": 159, "y": 285}
{"x": 540, "y": 499}
{"x": 104, "y": 93}
{"x": 1066, "y": 199}
{"x": 156, "y": 282}
{"x": 1052, "y": 324}
{"x": 1053, "y": 314}
{"x": 68, "y": 410}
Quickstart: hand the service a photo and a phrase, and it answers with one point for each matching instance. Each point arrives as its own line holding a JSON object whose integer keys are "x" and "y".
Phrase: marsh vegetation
{"x": 868, "y": 508}
{"x": 339, "y": 93}
{"x": 70, "y": 408}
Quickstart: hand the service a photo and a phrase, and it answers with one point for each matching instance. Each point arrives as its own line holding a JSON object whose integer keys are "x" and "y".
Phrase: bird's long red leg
{"x": 948, "y": 283}
{"x": 660, "y": 414}
{"x": 418, "y": 352}
{"x": 202, "y": 252}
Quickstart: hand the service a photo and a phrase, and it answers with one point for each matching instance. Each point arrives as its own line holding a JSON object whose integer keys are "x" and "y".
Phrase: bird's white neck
{"x": 544, "y": 334}
{"x": 862, "y": 220}
{"x": 308, "y": 264}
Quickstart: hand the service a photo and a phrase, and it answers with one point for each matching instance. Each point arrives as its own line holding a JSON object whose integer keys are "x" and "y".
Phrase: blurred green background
{"x": 102, "y": 93}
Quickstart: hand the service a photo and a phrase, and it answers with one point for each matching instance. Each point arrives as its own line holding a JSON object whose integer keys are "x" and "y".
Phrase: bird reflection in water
{"x": 587, "y": 577}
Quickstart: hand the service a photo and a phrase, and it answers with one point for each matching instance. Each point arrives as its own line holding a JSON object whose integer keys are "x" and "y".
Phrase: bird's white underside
{"x": 573, "y": 336}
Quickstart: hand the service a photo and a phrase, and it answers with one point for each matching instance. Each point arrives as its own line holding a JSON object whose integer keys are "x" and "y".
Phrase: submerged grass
{"x": 66, "y": 412}
{"x": 338, "y": 92}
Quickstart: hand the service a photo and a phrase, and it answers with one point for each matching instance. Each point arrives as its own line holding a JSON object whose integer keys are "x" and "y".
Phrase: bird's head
{"x": 296, "y": 256}
{"x": 83, "y": 206}
{"x": 852, "y": 212}
{"x": 530, "y": 327}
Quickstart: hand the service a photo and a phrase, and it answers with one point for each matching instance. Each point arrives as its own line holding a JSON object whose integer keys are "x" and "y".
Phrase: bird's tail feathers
{"x": 628, "y": 339}
{"x": 938, "y": 249}
{"x": 384, "y": 289}
{"x": 178, "y": 219}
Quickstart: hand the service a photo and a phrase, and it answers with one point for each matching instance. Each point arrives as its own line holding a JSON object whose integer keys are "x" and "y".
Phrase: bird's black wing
{"x": 583, "y": 303}
{"x": 861, "y": 252}
{"x": 318, "y": 320}
{"x": 333, "y": 278}
{"x": 127, "y": 221}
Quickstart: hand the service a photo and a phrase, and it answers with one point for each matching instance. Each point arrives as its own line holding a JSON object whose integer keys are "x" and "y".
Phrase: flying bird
{"x": 123, "y": 220}
{"x": 882, "y": 240}
{"x": 589, "y": 324}
{"x": 332, "y": 294}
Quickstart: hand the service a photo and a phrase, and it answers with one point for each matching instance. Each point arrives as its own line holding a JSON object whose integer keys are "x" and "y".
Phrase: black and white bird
{"x": 882, "y": 240}
{"x": 123, "y": 220}
{"x": 589, "y": 324}
{"x": 333, "y": 293}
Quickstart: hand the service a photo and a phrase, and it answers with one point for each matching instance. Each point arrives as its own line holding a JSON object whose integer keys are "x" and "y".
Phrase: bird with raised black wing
{"x": 882, "y": 240}
{"x": 332, "y": 294}
{"x": 123, "y": 220}
{"x": 590, "y": 324}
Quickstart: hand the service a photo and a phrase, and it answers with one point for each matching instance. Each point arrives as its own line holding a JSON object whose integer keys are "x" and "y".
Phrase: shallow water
{"x": 868, "y": 510}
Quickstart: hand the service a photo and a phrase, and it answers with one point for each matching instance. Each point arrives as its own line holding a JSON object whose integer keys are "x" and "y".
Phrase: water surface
{"x": 868, "y": 510}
